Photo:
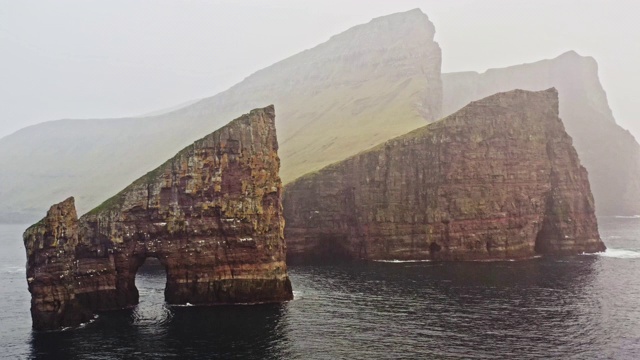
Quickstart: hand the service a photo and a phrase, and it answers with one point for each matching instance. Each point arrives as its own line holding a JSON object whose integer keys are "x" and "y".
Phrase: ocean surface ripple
{"x": 581, "y": 307}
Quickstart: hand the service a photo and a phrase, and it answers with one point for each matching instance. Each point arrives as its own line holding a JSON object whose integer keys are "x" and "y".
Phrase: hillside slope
{"x": 363, "y": 86}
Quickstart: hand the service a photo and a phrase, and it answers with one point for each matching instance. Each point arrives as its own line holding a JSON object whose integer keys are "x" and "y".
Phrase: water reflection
{"x": 583, "y": 307}
{"x": 154, "y": 330}
{"x": 448, "y": 309}
{"x": 538, "y": 308}
{"x": 242, "y": 332}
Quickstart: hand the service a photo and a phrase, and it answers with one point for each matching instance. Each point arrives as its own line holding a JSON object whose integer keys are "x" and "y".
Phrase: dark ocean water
{"x": 583, "y": 307}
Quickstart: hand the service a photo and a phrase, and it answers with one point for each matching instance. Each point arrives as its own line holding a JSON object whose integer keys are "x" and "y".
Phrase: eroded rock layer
{"x": 212, "y": 215}
{"x": 498, "y": 179}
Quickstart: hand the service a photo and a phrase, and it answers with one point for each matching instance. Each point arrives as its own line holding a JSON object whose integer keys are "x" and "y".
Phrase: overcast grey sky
{"x": 89, "y": 59}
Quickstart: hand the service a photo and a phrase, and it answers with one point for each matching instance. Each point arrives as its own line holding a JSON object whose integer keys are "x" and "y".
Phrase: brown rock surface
{"x": 498, "y": 179}
{"x": 51, "y": 246}
{"x": 212, "y": 215}
{"x": 609, "y": 152}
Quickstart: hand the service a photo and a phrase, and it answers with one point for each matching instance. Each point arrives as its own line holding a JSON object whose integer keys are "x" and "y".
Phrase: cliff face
{"x": 212, "y": 215}
{"x": 338, "y": 98}
{"x": 51, "y": 245}
{"x": 498, "y": 179}
{"x": 334, "y": 100}
{"x": 610, "y": 153}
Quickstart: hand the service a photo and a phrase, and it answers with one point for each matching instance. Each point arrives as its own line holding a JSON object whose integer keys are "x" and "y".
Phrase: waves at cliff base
{"x": 619, "y": 254}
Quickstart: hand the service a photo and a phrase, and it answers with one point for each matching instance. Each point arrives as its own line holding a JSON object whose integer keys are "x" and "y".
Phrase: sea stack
{"x": 212, "y": 215}
{"x": 498, "y": 179}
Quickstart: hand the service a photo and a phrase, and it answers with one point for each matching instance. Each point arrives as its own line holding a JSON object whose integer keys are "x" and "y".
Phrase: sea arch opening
{"x": 149, "y": 287}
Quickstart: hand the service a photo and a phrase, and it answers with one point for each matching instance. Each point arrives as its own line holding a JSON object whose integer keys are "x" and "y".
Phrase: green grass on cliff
{"x": 152, "y": 176}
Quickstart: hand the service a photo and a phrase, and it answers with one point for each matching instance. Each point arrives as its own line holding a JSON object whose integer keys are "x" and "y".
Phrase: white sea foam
{"x": 181, "y": 305}
{"x": 619, "y": 254}
{"x": 627, "y": 217}
{"x": 13, "y": 269}
{"x": 401, "y": 261}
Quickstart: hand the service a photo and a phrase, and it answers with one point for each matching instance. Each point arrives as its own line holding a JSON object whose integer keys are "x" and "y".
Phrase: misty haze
{"x": 289, "y": 180}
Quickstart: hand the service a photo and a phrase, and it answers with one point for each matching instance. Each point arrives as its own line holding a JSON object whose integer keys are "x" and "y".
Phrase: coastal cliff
{"x": 498, "y": 179}
{"x": 610, "y": 153}
{"x": 212, "y": 215}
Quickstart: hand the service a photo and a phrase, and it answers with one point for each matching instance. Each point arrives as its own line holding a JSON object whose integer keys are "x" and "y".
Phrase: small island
{"x": 212, "y": 216}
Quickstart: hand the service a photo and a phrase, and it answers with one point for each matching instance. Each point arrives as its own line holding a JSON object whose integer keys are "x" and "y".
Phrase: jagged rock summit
{"x": 499, "y": 179}
{"x": 364, "y": 86}
{"x": 212, "y": 215}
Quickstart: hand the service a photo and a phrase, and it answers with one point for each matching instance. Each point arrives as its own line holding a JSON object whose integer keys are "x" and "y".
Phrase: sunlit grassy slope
{"x": 371, "y": 83}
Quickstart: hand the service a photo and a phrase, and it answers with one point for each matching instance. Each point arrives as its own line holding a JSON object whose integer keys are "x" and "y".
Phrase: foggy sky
{"x": 90, "y": 59}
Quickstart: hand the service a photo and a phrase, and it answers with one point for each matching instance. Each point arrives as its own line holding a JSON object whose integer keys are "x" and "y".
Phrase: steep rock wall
{"x": 498, "y": 179}
{"x": 212, "y": 215}
{"x": 51, "y": 254}
{"x": 610, "y": 153}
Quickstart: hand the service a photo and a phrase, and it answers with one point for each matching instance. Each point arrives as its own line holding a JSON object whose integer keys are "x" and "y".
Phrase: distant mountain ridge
{"x": 363, "y": 86}
{"x": 609, "y": 152}
{"x": 169, "y": 109}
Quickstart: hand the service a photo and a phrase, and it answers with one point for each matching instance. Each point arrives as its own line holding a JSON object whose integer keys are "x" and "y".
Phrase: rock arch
{"x": 212, "y": 215}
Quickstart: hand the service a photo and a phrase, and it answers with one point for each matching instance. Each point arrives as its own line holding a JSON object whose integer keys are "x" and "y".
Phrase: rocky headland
{"x": 609, "y": 152}
{"x": 212, "y": 215}
{"x": 498, "y": 179}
